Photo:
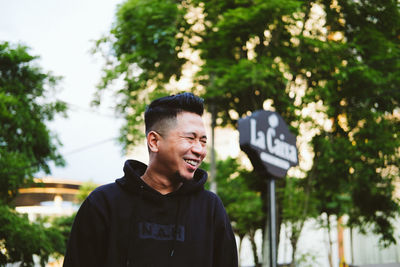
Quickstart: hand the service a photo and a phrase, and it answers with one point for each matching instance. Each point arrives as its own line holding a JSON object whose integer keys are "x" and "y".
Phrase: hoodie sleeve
{"x": 225, "y": 253}
{"x": 86, "y": 244}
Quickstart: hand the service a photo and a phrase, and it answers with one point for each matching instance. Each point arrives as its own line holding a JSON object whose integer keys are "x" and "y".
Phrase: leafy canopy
{"x": 356, "y": 159}
{"x": 26, "y": 144}
{"x": 335, "y": 58}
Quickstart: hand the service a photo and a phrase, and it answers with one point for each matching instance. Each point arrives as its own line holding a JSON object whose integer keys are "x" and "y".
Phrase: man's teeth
{"x": 191, "y": 162}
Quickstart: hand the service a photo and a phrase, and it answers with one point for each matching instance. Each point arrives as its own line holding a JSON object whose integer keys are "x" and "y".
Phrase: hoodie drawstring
{"x": 133, "y": 220}
{"x": 130, "y": 236}
{"x": 132, "y": 223}
{"x": 175, "y": 229}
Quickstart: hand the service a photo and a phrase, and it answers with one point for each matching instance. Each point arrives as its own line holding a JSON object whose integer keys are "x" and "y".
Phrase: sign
{"x": 267, "y": 141}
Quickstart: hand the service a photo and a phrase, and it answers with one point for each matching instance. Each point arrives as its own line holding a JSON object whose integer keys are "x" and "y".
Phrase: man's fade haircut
{"x": 166, "y": 108}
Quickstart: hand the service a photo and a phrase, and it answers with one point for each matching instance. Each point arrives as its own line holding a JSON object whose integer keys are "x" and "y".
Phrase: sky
{"x": 61, "y": 33}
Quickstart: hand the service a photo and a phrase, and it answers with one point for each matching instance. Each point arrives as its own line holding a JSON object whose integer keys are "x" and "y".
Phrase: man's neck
{"x": 160, "y": 183}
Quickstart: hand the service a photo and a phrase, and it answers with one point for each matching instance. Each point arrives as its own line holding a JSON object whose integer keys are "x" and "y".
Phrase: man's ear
{"x": 153, "y": 139}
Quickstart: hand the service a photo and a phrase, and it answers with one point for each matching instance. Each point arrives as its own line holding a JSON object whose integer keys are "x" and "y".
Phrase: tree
{"x": 243, "y": 205}
{"x": 149, "y": 41}
{"x": 352, "y": 71}
{"x": 337, "y": 58}
{"x": 142, "y": 52}
{"x": 26, "y": 146}
{"x": 148, "y": 45}
{"x": 63, "y": 224}
{"x": 242, "y": 67}
{"x": 85, "y": 189}
{"x": 359, "y": 93}
{"x": 21, "y": 239}
{"x": 297, "y": 207}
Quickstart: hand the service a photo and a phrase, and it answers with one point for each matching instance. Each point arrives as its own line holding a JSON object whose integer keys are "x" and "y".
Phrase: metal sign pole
{"x": 271, "y": 148}
{"x": 272, "y": 223}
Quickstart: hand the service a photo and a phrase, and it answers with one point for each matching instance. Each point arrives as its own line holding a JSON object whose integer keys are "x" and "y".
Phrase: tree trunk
{"x": 328, "y": 224}
{"x": 240, "y": 248}
{"x": 293, "y": 242}
{"x": 294, "y": 248}
{"x": 294, "y": 238}
{"x": 252, "y": 234}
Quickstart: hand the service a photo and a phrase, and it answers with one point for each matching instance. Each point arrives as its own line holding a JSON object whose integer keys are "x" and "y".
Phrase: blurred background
{"x": 76, "y": 76}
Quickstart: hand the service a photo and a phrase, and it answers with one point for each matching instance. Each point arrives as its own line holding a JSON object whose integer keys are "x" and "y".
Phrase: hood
{"x": 132, "y": 182}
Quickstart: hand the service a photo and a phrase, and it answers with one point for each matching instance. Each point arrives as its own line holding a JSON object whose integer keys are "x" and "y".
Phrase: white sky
{"x": 61, "y": 33}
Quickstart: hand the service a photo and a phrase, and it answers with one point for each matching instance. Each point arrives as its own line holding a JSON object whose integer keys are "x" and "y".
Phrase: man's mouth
{"x": 192, "y": 162}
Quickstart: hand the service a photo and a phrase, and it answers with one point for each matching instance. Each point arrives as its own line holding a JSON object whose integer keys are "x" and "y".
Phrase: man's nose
{"x": 198, "y": 148}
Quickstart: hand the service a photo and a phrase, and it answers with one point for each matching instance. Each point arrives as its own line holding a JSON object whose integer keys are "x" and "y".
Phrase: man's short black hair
{"x": 168, "y": 107}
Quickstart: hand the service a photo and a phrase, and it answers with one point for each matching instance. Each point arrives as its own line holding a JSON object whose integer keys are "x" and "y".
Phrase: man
{"x": 160, "y": 214}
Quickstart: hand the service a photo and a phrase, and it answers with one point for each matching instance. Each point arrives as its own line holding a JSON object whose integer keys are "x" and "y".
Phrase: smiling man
{"x": 160, "y": 214}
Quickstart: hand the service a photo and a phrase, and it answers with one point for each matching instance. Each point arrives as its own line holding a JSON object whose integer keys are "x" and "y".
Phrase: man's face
{"x": 183, "y": 147}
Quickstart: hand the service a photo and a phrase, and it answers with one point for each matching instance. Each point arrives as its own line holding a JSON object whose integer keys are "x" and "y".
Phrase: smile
{"x": 191, "y": 162}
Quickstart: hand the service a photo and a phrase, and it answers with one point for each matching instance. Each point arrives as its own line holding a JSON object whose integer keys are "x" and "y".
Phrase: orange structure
{"x": 47, "y": 189}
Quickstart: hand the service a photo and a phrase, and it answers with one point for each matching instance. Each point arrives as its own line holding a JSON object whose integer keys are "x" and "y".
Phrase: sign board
{"x": 267, "y": 141}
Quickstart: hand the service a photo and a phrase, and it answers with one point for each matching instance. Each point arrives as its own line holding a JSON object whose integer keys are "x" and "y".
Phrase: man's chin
{"x": 181, "y": 178}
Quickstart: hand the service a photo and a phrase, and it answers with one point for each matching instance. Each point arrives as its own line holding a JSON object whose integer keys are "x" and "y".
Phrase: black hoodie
{"x": 128, "y": 223}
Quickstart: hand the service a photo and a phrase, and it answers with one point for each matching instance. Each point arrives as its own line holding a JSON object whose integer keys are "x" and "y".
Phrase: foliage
{"x": 26, "y": 145}
{"x": 248, "y": 53}
{"x": 21, "y": 239}
{"x": 142, "y": 53}
{"x": 297, "y": 206}
{"x": 244, "y": 206}
{"x": 357, "y": 158}
{"x": 85, "y": 189}
{"x": 242, "y": 67}
{"x": 307, "y": 259}
{"x": 232, "y": 77}
{"x": 63, "y": 224}
{"x": 337, "y": 59}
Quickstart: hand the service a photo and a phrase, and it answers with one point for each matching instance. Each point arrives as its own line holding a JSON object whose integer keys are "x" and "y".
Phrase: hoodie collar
{"x": 133, "y": 170}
